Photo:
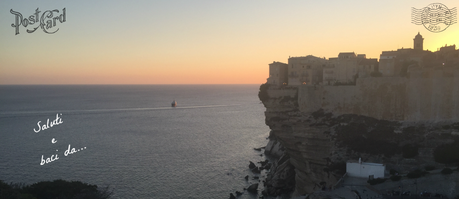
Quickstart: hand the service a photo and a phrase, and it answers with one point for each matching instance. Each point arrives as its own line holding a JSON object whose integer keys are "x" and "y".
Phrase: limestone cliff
{"x": 323, "y": 127}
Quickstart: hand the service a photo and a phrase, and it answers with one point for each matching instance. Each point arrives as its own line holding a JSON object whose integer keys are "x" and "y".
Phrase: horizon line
{"x": 112, "y": 84}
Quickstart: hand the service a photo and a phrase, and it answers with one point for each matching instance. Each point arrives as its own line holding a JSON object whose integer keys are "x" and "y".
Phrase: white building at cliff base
{"x": 365, "y": 169}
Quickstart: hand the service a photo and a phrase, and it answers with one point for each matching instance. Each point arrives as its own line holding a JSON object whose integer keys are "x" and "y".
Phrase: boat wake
{"x": 22, "y": 113}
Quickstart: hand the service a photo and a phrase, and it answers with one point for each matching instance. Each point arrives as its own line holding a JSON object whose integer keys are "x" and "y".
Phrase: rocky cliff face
{"x": 318, "y": 143}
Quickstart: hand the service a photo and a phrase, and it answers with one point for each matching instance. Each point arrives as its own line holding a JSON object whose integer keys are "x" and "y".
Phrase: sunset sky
{"x": 199, "y": 42}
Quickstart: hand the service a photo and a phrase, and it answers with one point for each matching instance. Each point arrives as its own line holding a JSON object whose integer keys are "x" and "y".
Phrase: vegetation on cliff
{"x": 368, "y": 135}
{"x": 263, "y": 93}
{"x": 53, "y": 189}
{"x": 362, "y": 134}
{"x": 395, "y": 178}
{"x": 416, "y": 173}
{"x": 447, "y": 153}
{"x": 410, "y": 151}
{"x": 405, "y": 65}
{"x": 429, "y": 168}
{"x": 447, "y": 171}
{"x": 376, "y": 181}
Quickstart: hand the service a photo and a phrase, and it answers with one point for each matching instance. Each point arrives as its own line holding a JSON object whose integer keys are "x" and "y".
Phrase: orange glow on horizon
{"x": 214, "y": 46}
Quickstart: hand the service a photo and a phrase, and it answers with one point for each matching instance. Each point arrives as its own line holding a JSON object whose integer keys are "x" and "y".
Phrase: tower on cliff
{"x": 418, "y": 42}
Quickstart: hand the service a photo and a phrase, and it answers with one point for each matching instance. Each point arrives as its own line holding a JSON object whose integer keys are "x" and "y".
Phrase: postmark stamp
{"x": 435, "y": 17}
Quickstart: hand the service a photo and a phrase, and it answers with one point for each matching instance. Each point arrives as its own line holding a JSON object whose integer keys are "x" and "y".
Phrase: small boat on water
{"x": 174, "y": 104}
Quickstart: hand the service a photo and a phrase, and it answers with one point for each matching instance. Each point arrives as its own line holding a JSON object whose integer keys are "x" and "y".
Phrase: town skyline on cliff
{"x": 349, "y": 66}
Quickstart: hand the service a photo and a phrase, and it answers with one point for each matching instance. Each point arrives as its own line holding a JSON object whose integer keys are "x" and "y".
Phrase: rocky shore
{"x": 281, "y": 177}
{"x": 275, "y": 176}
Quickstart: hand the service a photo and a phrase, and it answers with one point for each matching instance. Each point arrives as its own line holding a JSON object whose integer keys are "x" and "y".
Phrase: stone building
{"x": 367, "y": 66}
{"x": 278, "y": 73}
{"x": 395, "y": 63}
{"x": 387, "y": 63}
{"x": 305, "y": 70}
{"x": 418, "y": 42}
{"x": 448, "y": 56}
{"x": 346, "y": 68}
{"x": 329, "y": 76}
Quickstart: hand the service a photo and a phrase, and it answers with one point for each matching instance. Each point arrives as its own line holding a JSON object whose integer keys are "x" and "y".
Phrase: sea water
{"x": 128, "y": 137}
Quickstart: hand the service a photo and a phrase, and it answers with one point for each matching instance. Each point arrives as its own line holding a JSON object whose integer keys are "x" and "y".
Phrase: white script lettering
{"x": 55, "y": 122}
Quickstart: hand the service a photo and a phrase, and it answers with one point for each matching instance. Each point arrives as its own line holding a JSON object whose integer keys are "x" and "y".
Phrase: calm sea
{"x": 129, "y": 138}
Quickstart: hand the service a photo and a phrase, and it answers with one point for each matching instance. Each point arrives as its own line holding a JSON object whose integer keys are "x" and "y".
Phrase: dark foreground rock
{"x": 281, "y": 178}
{"x": 274, "y": 148}
{"x": 54, "y": 189}
{"x": 253, "y": 188}
{"x": 252, "y": 165}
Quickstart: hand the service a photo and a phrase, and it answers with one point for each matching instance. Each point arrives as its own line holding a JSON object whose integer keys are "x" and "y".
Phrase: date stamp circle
{"x": 436, "y": 17}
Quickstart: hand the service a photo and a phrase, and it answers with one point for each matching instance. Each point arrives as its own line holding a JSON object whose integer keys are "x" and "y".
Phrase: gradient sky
{"x": 199, "y": 42}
